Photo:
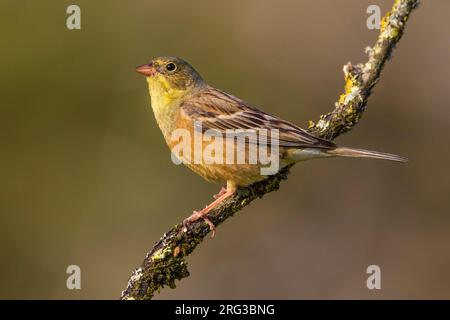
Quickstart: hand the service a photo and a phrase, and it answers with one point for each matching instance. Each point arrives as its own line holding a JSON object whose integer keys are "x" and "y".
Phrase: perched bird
{"x": 180, "y": 98}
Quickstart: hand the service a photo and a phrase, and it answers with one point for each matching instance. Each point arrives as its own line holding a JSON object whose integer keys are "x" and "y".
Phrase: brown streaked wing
{"x": 220, "y": 111}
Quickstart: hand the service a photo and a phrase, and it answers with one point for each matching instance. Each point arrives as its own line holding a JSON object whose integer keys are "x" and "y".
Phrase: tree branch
{"x": 165, "y": 262}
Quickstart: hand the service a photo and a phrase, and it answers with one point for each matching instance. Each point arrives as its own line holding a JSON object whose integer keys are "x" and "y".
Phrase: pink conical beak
{"x": 147, "y": 70}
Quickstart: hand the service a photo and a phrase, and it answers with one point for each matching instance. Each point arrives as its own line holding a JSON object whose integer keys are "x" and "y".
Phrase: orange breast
{"x": 209, "y": 160}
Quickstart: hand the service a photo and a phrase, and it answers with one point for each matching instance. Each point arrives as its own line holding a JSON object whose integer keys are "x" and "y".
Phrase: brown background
{"x": 86, "y": 179}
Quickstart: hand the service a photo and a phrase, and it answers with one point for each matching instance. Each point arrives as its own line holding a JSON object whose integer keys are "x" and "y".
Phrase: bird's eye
{"x": 171, "y": 67}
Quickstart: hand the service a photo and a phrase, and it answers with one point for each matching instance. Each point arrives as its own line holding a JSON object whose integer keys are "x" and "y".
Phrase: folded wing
{"x": 218, "y": 110}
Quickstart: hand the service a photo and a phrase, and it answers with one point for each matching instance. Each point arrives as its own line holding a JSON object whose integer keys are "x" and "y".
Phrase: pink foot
{"x": 201, "y": 215}
{"x": 221, "y": 193}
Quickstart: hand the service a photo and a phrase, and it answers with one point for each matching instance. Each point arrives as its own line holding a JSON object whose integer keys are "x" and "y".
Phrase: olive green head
{"x": 170, "y": 74}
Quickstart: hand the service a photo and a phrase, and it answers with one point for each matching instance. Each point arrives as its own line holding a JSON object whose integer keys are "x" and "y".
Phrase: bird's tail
{"x": 360, "y": 153}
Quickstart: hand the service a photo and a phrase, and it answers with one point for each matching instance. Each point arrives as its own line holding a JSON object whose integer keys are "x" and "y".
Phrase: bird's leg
{"x": 223, "y": 194}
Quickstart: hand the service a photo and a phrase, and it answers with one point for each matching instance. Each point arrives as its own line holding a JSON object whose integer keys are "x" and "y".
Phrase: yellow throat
{"x": 165, "y": 102}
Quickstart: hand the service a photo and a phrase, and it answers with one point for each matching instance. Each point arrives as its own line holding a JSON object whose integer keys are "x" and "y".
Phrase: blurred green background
{"x": 86, "y": 178}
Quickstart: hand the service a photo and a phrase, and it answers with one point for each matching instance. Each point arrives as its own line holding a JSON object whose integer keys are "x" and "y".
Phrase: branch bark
{"x": 165, "y": 262}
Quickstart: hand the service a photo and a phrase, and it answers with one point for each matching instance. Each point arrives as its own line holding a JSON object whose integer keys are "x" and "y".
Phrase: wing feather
{"x": 221, "y": 111}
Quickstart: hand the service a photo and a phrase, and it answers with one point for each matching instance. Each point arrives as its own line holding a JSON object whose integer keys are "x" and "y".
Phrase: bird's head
{"x": 170, "y": 77}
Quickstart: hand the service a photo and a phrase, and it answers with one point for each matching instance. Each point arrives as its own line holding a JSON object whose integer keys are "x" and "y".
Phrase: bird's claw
{"x": 211, "y": 225}
{"x": 194, "y": 217}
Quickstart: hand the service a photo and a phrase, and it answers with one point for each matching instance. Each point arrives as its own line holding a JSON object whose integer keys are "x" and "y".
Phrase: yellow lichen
{"x": 161, "y": 254}
{"x": 393, "y": 33}
{"x": 385, "y": 22}
{"x": 350, "y": 89}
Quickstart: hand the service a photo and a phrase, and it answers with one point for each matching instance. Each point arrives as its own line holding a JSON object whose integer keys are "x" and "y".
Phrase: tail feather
{"x": 360, "y": 153}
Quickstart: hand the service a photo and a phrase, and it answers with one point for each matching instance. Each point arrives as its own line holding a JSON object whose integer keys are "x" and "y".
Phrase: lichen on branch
{"x": 361, "y": 78}
{"x": 165, "y": 262}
